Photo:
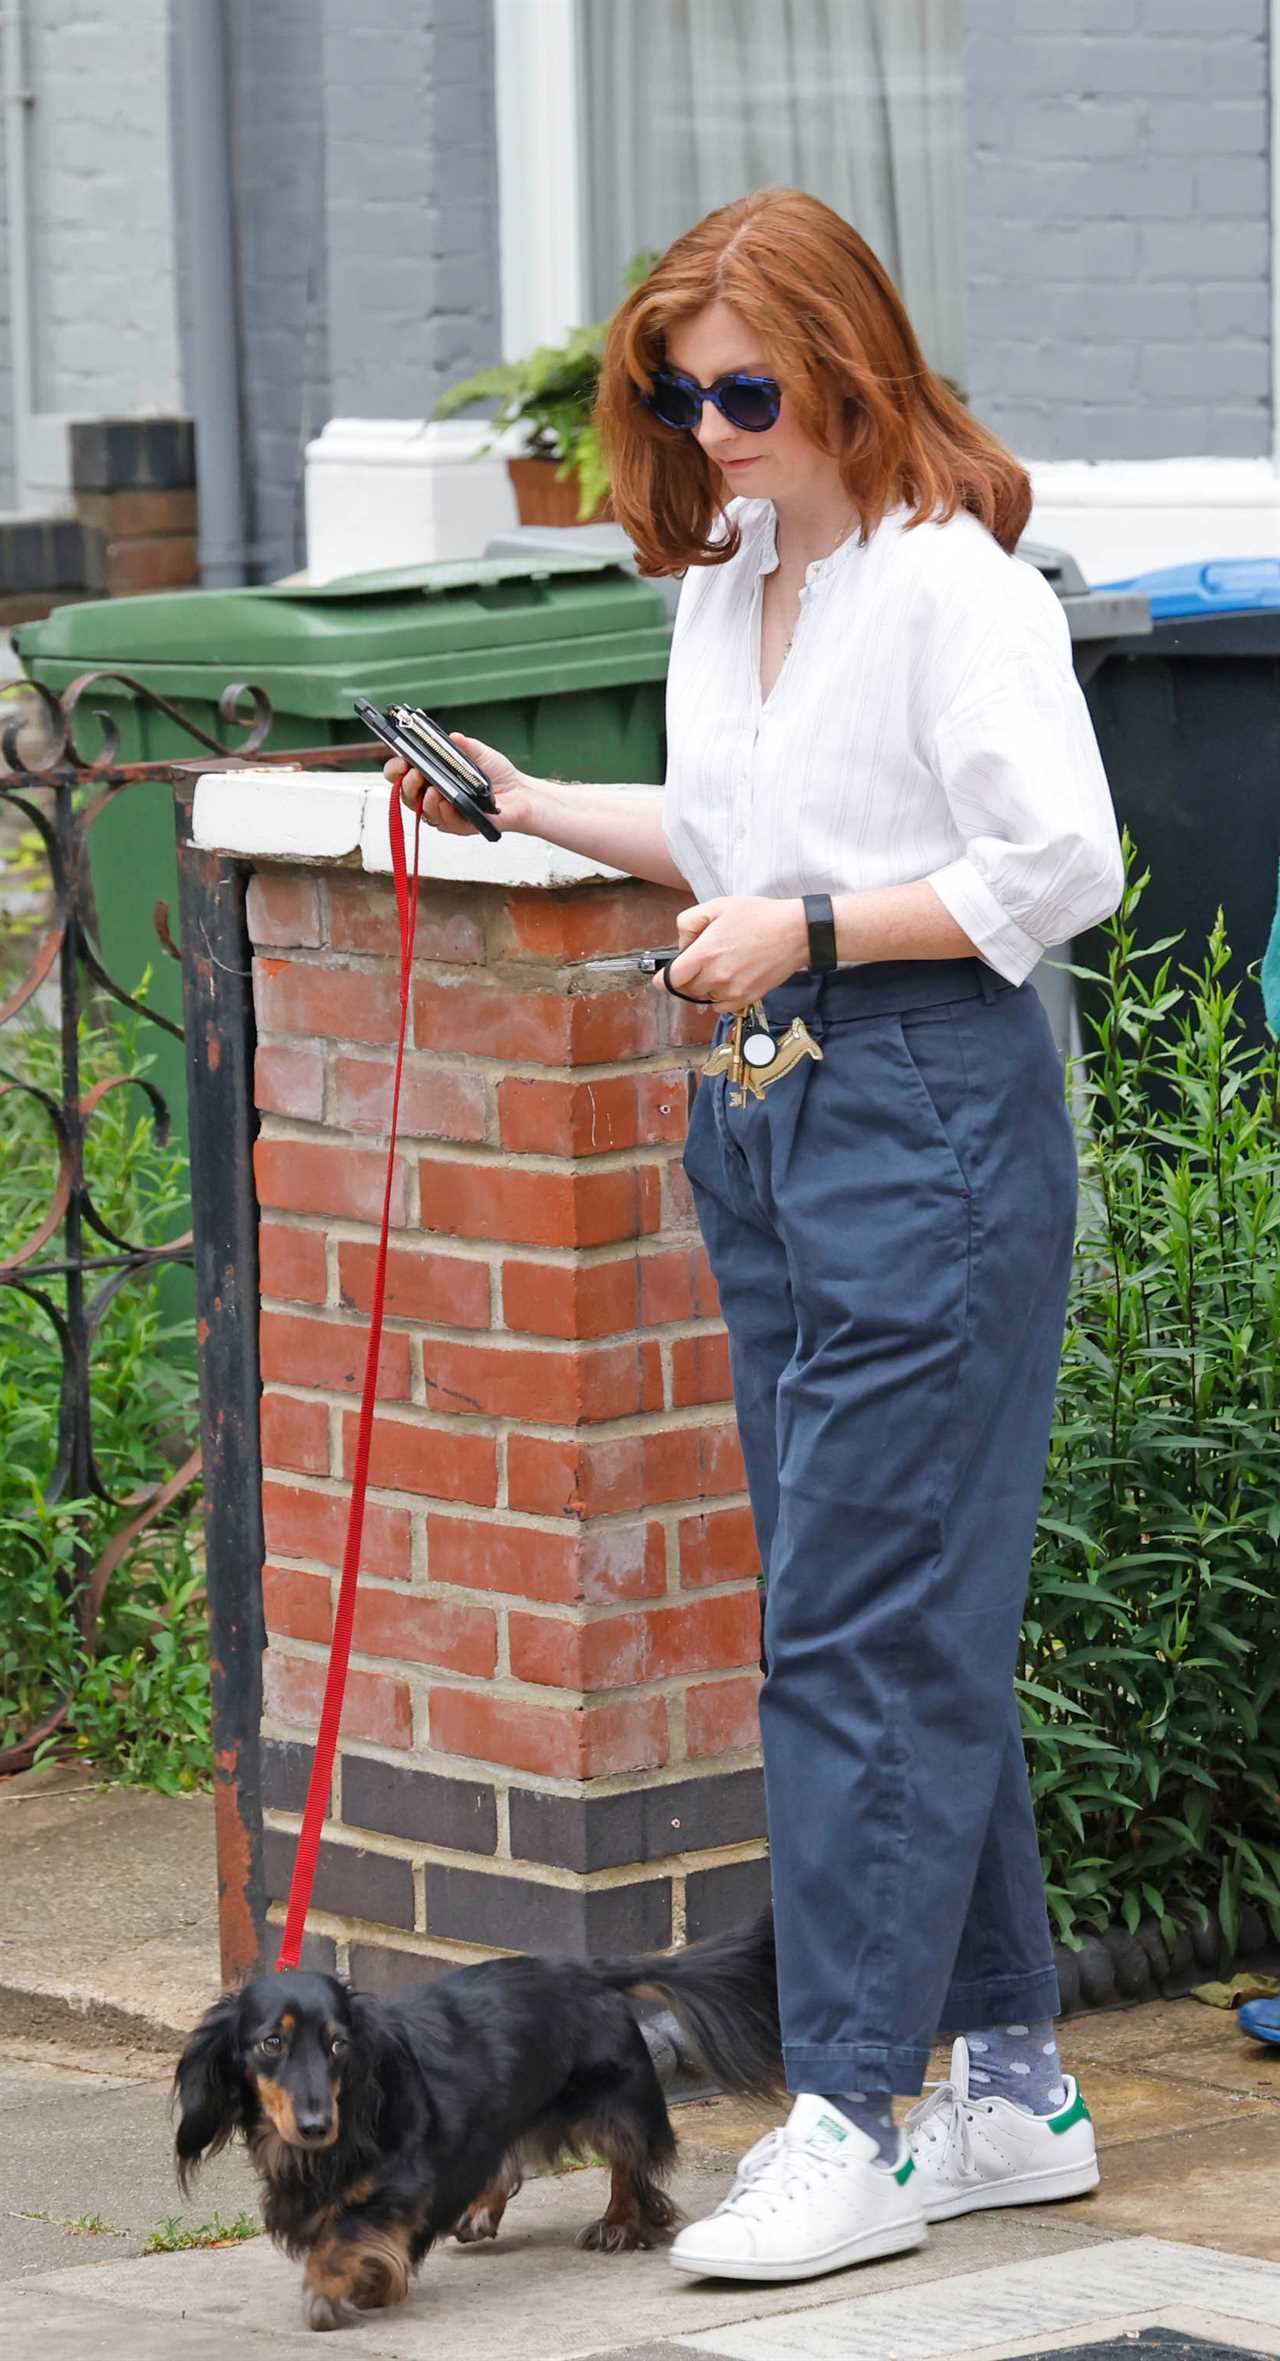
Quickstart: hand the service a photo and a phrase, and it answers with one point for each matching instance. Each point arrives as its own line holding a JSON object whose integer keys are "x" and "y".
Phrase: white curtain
{"x": 686, "y": 104}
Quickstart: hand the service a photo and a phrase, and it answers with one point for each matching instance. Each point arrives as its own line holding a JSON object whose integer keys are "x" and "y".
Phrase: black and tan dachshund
{"x": 378, "y": 2126}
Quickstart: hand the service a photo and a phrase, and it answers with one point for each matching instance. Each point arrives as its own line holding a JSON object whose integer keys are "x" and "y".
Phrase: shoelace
{"x": 944, "y": 2116}
{"x": 770, "y": 2170}
{"x": 754, "y": 2168}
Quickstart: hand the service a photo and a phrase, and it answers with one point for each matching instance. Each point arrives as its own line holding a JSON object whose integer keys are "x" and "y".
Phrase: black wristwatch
{"x": 820, "y": 919}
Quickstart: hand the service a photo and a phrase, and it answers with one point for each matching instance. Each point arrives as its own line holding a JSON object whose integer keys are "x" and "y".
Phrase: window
{"x": 682, "y": 105}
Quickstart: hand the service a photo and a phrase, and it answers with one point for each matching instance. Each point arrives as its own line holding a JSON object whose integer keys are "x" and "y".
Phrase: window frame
{"x": 539, "y": 173}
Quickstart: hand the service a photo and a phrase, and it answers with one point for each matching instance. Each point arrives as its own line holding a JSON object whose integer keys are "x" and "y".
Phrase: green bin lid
{"x": 476, "y": 627}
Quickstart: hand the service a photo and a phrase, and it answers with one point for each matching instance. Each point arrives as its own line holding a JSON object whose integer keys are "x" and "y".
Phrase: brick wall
{"x": 551, "y": 1726}
{"x": 367, "y": 209}
{"x": 102, "y": 259}
{"x": 1119, "y": 243}
{"x": 135, "y": 492}
{"x": 412, "y": 202}
{"x": 278, "y": 113}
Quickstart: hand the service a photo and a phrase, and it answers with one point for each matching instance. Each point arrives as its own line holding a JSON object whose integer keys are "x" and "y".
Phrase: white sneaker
{"x": 976, "y": 2152}
{"x": 806, "y": 2199}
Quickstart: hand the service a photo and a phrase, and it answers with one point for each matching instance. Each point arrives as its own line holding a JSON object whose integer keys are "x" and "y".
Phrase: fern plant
{"x": 551, "y": 394}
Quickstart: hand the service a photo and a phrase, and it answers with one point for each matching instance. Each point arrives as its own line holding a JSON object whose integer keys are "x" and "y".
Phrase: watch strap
{"x": 820, "y": 918}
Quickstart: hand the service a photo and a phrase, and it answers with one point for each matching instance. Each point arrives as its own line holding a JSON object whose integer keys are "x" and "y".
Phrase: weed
{"x": 81, "y": 2225}
{"x": 175, "y": 2236}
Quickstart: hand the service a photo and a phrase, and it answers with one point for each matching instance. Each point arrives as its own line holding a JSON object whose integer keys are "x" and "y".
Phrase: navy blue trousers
{"x": 891, "y": 1233}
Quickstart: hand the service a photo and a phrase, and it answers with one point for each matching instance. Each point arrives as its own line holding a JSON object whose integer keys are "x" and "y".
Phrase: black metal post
{"x": 220, "y": 1034}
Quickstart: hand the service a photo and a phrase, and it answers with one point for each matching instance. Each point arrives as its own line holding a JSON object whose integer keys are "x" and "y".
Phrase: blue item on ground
{"x": 1261, "y": 2018}
{"x": 1221, "y": 586}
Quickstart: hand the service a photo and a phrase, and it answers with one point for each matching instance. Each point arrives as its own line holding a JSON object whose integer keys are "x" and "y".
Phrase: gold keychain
{"x": 752, "y": 1057}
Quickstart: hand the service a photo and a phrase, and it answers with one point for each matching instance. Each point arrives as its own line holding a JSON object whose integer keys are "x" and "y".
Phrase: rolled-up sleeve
{"x": 1017, "y": 759}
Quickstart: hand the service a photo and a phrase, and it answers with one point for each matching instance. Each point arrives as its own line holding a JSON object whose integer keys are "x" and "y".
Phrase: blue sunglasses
{"x": 751, "y": 403}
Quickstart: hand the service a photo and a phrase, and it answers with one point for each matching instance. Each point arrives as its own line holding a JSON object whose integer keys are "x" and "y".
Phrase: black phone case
{"x": 422, "y": 756}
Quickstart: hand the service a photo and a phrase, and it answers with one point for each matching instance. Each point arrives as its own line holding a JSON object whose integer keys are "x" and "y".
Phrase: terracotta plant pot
{"x": 543, "y": 499}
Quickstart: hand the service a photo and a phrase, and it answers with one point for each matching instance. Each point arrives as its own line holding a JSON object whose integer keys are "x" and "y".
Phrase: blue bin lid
{"x": 1222, "y": 586}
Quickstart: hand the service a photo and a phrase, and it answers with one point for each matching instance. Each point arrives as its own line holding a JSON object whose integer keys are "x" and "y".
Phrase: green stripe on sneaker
{"x": 1077, "y": 2112}
{"x": 904, "y": 2172}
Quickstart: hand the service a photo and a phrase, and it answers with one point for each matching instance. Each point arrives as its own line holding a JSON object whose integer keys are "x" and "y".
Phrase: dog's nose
{"x": 313, "y": 2127}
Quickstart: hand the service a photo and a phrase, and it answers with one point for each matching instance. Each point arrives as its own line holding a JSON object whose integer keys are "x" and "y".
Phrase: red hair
{"x": 834, "y": 331}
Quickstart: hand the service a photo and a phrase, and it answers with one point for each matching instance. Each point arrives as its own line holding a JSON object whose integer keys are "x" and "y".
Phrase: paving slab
{"x": 1011, "y": 2309}
{"x": 533, "y": 2291}
{"x": 718, "y": 2131}
{"x": 1125, "y": 2104}
{"x": 63, "y": 2327}
{"x": 1181, "y": 2037}
{"x": 1130, "y": 2106}
{"x": 476, "y": 2305}
{"x": 110, "y": 1908}
{"x": 1181, "y": 2333}
{"x": 1218, "y": 2186}
{"x": 79, "y": 2147}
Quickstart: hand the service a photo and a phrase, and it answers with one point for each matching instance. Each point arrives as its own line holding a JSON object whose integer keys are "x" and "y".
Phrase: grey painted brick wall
{"x": 278, "y": 118}
{"x": 411, "y": 201}
{"x": 102, "y": 231}
{"x": 1119, "y": 241}
{"x": 102, "y": 256}
{"x": 6, "y": 353}
{"x": 367, "y": 225}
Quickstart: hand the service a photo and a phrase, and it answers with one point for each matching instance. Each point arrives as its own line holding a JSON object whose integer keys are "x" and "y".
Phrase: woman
{"x": 885, "y": 800}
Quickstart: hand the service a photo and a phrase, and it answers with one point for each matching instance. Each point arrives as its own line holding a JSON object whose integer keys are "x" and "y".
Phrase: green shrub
{"x": 551, "y": 393}
{"x": 141, "y": 1705}
{"x": 1151, "y": 1700}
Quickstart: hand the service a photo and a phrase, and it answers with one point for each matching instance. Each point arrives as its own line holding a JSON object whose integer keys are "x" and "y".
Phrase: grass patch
{"x": 80, "y": 2225}
{"x": 175, "y": 2236}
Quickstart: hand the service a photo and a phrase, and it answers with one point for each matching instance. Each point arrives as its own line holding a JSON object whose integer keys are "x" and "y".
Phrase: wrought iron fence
{"x": 74, "y": 1262}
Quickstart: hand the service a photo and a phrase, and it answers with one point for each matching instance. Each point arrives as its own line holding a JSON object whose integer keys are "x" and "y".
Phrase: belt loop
{"x": 989, "y": 983}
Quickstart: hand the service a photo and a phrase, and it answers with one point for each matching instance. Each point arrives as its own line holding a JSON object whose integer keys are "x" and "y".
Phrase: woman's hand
{"x": 736, "y": 949}
{"x": 510, "y": 789}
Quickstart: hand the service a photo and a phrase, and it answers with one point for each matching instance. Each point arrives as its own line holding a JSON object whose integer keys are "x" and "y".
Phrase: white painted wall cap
{"x": 1156, "y": 483}
{"x": 344, "y": 817}
{"x": 397, "y": 442}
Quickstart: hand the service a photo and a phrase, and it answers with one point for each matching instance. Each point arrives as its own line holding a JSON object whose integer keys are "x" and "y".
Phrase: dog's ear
{"x": 209, "y": 2089}
{"x": 382, "y": 2089}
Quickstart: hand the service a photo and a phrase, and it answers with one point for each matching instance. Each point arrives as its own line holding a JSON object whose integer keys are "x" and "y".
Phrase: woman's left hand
{"x": 737, "y": 948}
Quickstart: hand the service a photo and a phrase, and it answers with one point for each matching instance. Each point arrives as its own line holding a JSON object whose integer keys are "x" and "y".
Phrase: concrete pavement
{"x": 1184, "y": 2232}
{"x": 107, "y": 1955}
{"x": 110, "y": 1910}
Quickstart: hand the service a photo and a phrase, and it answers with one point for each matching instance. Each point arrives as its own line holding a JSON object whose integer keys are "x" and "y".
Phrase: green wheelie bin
{"x": 559, "y": 659}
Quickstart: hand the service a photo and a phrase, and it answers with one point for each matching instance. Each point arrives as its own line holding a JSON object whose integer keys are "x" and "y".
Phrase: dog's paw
{"x": 606, "y": 2237}
{"x": 474, "y": 2226}
{"x": 326, "y": 2311}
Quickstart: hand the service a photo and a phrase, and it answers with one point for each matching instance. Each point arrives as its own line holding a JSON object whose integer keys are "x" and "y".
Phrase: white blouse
{"x": 926, "y": 723}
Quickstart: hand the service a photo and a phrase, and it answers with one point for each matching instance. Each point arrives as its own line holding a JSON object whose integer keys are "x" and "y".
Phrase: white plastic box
{"x": 403, "y": 491}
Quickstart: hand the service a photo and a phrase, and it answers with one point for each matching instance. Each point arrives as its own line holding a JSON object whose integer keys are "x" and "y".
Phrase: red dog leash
{"x": 304, "y": 1861}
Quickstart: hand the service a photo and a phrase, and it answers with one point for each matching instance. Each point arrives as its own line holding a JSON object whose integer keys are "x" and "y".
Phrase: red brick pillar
{"x": 550, "y": 1731}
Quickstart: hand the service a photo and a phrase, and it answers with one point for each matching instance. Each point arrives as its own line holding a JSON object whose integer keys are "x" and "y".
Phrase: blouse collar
{"x": 765, "y": 524}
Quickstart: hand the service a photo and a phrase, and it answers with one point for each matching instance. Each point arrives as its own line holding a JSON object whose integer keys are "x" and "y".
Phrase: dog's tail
{"x": 724, "y": 1990}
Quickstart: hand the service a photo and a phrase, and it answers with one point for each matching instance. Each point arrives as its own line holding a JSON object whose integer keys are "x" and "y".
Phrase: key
{"x": 758, "y": 1048}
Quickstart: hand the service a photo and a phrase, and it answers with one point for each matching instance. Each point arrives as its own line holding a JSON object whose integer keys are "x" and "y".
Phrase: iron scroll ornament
{"x": 74, "y": 1262}
{"x": 61, "y": 753}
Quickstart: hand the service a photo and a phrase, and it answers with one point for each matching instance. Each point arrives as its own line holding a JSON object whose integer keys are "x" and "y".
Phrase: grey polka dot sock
{"x": 872, "y": 2111}
{"x": 1018, "y": 2062}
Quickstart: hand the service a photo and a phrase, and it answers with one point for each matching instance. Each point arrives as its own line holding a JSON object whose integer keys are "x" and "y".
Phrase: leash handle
{"x": 307, "y": 1854}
